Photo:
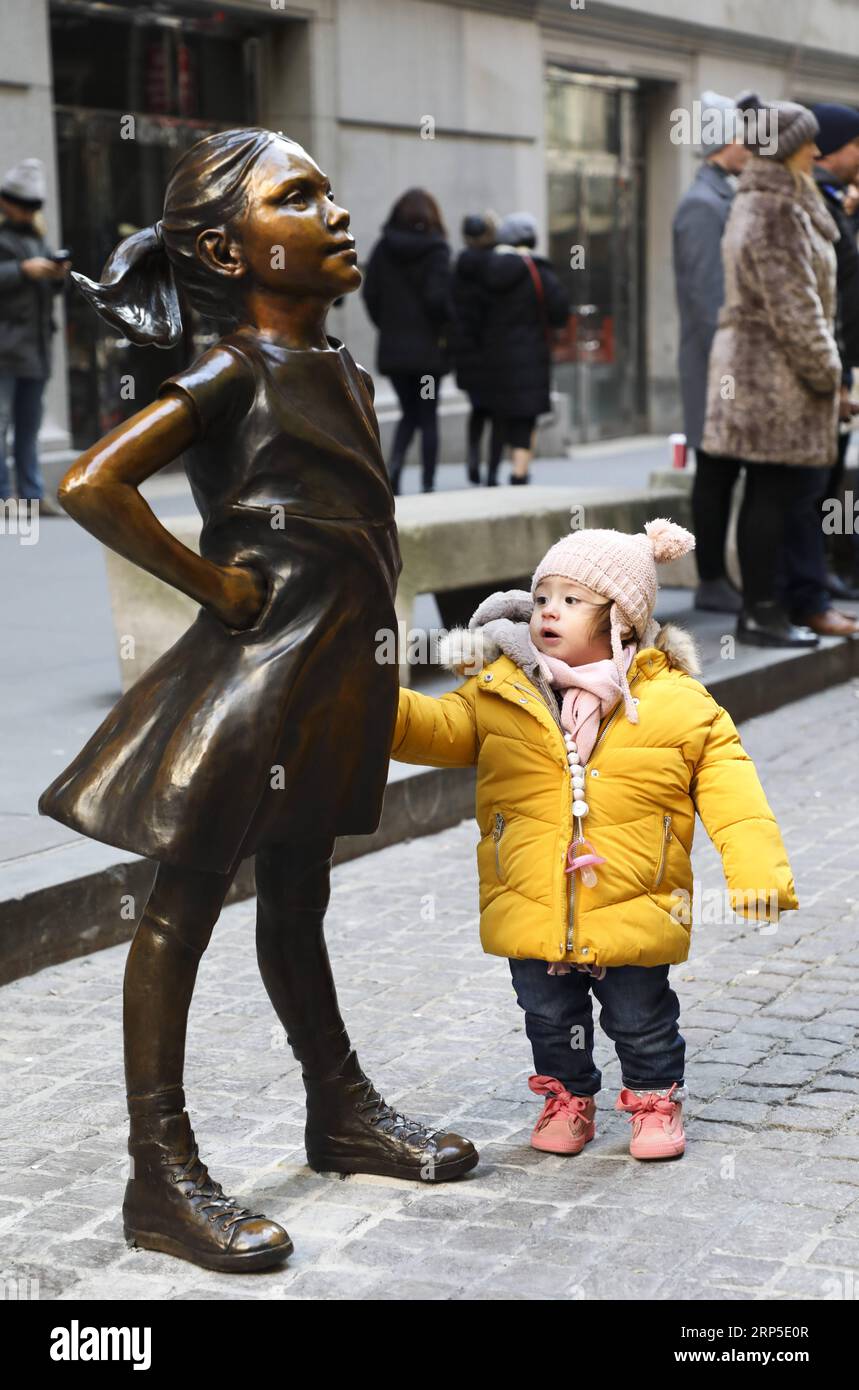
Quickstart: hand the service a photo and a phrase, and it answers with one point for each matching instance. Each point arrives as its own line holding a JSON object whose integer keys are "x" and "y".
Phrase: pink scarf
{"x": 591, "y": 692}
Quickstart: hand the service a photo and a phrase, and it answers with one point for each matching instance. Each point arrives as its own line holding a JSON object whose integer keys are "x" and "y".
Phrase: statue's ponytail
{"x": 138, "y": 293}
{"x": 139, "y": 290}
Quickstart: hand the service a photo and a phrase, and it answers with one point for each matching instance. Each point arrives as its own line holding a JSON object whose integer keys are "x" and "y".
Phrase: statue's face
{"x": 294, "y": 236}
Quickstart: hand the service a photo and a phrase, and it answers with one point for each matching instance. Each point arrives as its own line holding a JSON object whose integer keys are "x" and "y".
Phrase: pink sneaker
{"x": 657, "y": 1123}
{"x": 567, "y": 1121}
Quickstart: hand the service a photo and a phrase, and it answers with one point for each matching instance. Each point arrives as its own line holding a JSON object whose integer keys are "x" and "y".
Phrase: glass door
{"x": 596, "y": 237}
{"x": 135, "y": 85}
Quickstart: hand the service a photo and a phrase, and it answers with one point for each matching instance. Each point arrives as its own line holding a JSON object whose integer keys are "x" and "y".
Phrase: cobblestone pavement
{"x": 764, "y": 1205}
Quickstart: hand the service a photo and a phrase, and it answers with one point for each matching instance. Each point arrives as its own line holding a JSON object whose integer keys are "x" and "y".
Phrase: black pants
{"x": 515, "y": 430}
{"x": 416, "y": 392}
{"x": 477, "y": 422}
{"x": 712, "y": 491}
{"x": 779, "y": 539}
{"x": 801, "y": 570}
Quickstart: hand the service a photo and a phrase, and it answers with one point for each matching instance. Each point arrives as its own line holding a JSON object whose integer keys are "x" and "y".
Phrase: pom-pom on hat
{"x": 623, "y": 569}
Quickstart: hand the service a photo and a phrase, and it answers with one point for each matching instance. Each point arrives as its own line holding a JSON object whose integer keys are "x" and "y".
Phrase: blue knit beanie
{"x": 838, "y": 126}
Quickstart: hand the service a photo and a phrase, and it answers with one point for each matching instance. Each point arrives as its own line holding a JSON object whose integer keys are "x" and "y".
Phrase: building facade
{"x": 559, "y": 107}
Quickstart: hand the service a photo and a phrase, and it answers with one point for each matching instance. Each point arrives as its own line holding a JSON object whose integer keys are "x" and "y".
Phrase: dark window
{"x": 188, "y": 61}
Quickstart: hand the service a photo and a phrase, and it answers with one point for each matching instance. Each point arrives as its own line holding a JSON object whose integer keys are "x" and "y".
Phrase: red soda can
{"x": 678, "y": 450}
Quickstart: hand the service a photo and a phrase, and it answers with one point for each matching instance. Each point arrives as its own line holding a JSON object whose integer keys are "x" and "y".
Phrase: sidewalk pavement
{"x": 764, "y": 1205}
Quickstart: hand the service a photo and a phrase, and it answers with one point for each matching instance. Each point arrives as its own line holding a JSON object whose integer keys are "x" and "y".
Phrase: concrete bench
{"x": 479, "y": 540}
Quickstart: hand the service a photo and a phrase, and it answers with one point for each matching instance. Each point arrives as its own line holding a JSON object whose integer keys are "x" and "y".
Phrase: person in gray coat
{"x": 697, "y": 235}
{"x": 30, "y": 276}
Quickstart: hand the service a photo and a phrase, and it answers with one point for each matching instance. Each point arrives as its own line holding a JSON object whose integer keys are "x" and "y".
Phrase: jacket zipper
{"x": 496, "y": 835}
{"x": 666, "y": 836}
{"x": 571, "y": 920}
{"x": 571, "y": 911}
{"x": 557, "y": 721}
{"x": 572, "y": 877}
{"x": 612, "y": 719}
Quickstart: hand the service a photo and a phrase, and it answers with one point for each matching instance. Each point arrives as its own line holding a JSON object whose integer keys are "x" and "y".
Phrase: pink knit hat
{"x": 621, "y": 568}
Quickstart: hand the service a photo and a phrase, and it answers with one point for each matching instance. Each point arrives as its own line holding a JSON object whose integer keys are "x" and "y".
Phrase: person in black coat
{"x": 838, "y": 142}
{"x": 469, "y": 296}
{"x": 523, "y": 301}
{"x": 30, "y": 277}
{"x": 407, "y": 293}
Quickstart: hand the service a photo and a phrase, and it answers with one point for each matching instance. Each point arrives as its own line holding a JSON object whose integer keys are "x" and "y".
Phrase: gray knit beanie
{"x": 778, "y": 128}
{"x": 25, "y": 184}
{"x": 518, "y": 229}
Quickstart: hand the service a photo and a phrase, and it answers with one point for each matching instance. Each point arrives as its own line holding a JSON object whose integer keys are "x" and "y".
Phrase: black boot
{"x": 350, "y": 1129}
{"x": 172, "y": 1205}
{"x": 767, "y": 625}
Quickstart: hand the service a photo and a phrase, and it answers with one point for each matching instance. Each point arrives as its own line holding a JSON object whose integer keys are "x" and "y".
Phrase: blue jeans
{"x": 639, "y": 1013}
{"x": 21, "y": 407}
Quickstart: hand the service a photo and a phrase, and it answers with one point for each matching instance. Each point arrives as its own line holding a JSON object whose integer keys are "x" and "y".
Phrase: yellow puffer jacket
{"x": 644, "y": 783}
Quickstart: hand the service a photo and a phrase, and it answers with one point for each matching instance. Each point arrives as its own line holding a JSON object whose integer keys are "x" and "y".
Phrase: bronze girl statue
{"x": 266, "y": 728}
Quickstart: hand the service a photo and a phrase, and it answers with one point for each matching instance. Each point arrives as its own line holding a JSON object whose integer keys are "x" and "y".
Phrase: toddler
{"x": 595, "y": 748}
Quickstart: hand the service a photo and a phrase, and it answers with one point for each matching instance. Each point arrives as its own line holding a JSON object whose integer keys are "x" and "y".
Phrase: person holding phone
{"x": 30, "y": 276}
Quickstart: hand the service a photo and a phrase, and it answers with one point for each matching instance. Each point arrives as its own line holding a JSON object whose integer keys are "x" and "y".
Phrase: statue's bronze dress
{"x": 235, "y": 739}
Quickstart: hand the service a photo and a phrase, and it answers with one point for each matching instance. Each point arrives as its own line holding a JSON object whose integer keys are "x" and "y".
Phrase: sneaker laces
{"x": 559, "y": 1100}
{"x": 226, "y": 1207}
{"x": 651, "y": 1103}
{"x": 384, "y": 1117}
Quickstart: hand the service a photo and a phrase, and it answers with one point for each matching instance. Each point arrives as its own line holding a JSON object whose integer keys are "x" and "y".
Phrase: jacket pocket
{"x": 663, "y": 850}
{"x": 497, "y": 832}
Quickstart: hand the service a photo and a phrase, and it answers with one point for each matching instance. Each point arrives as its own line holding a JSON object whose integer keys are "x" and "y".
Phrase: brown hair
{"x": 417, "y": 211}
{"x": 600, "y": 621}
{"x": 601, "y": 624}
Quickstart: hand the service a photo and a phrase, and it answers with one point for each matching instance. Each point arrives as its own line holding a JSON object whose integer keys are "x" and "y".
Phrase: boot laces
{"x": 389, "y": 1120}
{"x": 227, "y": 1209}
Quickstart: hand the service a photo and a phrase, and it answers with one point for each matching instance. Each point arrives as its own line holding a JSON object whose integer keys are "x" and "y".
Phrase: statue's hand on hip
{"x": 243, "y": 595}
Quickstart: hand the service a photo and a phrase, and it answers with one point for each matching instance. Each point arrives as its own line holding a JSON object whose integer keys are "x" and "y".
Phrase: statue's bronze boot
{"x": 172, "y": 1205}
{"x": 350, "y": 1129}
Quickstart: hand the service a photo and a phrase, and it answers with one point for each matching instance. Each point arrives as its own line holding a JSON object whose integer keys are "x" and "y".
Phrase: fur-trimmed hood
{"x": 499, "y": 627}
